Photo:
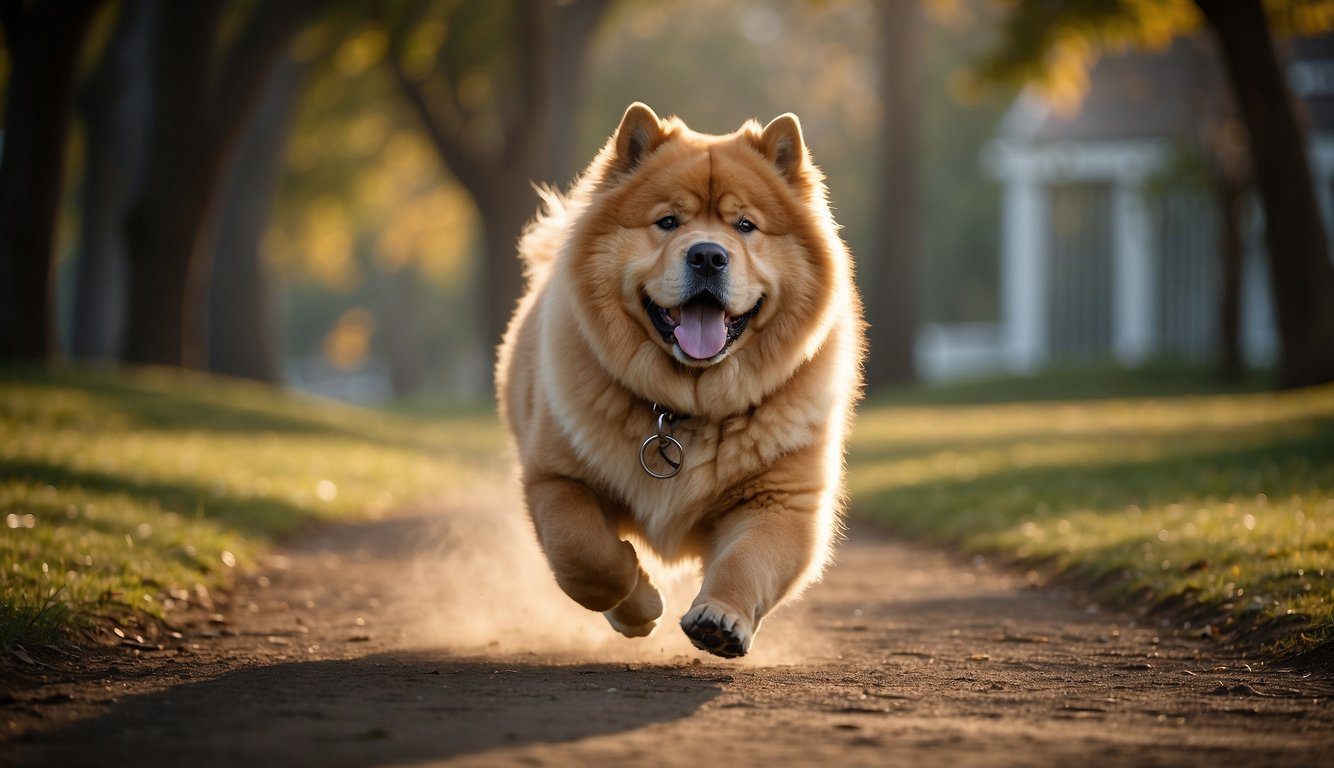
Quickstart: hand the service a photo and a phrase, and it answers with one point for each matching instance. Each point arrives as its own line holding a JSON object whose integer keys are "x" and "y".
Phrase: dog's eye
{"x": 666, "y": 223}
{"x": 745, "y": 226}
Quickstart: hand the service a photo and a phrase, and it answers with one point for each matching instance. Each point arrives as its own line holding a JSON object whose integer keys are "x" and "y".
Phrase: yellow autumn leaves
{"x": 393, "y": 207}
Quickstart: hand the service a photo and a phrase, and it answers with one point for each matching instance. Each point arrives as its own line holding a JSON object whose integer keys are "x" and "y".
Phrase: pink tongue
{"x": 703, "y": 330}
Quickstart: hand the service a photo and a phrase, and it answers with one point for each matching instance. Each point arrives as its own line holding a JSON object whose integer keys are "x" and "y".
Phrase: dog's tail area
{"x": 542, "y": 238}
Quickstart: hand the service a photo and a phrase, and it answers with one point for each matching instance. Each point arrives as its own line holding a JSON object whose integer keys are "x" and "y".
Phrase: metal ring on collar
{"x": 663, "y": 442}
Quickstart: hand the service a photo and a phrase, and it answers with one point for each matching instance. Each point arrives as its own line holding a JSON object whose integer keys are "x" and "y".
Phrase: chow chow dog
{"x": 681, "y": 371}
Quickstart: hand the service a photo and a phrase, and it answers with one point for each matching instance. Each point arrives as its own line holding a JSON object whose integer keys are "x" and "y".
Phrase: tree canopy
{"x": 1052, "y": 45}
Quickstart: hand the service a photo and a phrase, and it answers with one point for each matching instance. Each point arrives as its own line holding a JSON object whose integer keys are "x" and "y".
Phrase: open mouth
{"x": 700, "y": 328}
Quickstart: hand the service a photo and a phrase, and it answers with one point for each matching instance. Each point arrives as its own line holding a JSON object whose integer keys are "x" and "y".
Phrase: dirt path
{"x": 435, "y": 637}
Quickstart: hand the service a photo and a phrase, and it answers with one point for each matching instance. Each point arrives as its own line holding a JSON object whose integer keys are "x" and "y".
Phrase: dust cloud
{"x": 480, "y": 585}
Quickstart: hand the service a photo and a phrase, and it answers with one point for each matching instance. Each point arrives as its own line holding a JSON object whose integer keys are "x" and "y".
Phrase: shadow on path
{"x": 387, "y": 708}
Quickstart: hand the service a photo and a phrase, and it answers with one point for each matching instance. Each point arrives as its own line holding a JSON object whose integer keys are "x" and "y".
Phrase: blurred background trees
{"x": 497, "y": 87}
{"x": 328, "y": 193}
{"x": 207, "y": 80}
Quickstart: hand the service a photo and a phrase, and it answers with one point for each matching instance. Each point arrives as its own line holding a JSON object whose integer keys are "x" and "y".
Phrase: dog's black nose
{"x": 707, "y": 259}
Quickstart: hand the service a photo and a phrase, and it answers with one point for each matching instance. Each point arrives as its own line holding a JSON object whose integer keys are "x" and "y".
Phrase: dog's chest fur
{"x": 724, "y": 460}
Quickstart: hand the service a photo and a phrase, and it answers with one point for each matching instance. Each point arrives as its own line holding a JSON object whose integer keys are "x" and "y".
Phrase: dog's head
{"x": 705, "y": 257}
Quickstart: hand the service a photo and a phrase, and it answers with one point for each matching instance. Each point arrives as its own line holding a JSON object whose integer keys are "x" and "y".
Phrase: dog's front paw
{"x": 717, "y": 630}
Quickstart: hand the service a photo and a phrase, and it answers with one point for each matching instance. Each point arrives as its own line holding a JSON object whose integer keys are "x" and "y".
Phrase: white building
{"x": 1106, "y": 254}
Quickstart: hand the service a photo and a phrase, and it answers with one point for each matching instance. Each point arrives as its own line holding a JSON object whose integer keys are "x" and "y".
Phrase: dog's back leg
{"x": 588, "y": 558}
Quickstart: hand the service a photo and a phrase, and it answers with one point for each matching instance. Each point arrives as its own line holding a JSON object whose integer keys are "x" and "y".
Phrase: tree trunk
{"x": 572, "y": 28}
{"x": 893, "y": 299}
{"x": 396, "y": 294}
{"x": 198, "y": 114}
{"x": 163, "y": 228}
{"x": 43, "y": 55}
{"x": 242, "y": 339}
{"x": 537, "y": 137}
{"x": 1231, "y": 252}
{"x": 502, "y": 272}
{"x": 1300, "y": 269}
{"x": 114, "y": 103}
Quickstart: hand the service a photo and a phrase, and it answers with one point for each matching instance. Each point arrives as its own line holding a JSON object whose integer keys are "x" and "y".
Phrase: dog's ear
{"x": 640, "y": 133}
{"x": 781, "y": 142}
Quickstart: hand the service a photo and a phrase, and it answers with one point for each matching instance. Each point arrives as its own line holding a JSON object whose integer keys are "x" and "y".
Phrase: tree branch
{"x": 469, "y": 163}
{"x": 266, "y": 35}
{"x": 462, "y": 159}
{"x": 403, "y": 25}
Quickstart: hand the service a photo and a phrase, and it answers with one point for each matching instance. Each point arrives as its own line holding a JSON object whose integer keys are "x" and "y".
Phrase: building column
{"x": 1024, "y": 269}
{"x": 1134, "y": 288}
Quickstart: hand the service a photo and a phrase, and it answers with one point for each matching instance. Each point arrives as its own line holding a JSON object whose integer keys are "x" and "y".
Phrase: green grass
{"x": 126, "y": 491}
{"x": 1097, "y": 381}
{"x": 1221, "y": 506}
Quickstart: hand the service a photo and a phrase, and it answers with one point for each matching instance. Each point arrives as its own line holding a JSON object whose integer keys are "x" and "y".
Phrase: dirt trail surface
{"x": 438, "y": 637}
